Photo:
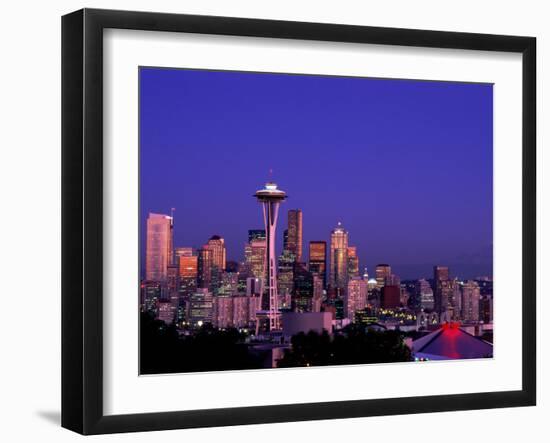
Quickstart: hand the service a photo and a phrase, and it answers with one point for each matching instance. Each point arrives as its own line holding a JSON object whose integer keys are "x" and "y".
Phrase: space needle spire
{"x": 270, "y": 198}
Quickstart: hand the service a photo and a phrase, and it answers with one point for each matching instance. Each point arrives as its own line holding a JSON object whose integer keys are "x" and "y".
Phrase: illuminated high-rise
{"x": 270, "y": 198}
{"x": 356, "y": 297}
{"x": 302, "y": 297}
{"x": 318, "y": 259}
{"x": 285, "y": 273}
{"x": 424, "y": 294}
{"x": 188, "y": 272}
{"x": 217, "y": 245}
{"x": 338, "y": 280}
{"x": 256, "y": 234}
{"x": 200, "y": 307}
{"x": 470, "y": 301}
{"x": 294, "y": 240}
{"x": 442, "y": 289}
{"x": 383, "y": 274}
{"x": 158, "y": 247}
{"x": 184, "y": 251}
{"x": 255, "y": 258}
{"x": 204, "y": 267}
{"x": 353, "y": 262}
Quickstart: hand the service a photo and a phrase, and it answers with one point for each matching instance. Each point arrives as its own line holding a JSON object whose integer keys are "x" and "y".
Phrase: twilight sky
{"x": 405, "y": 165}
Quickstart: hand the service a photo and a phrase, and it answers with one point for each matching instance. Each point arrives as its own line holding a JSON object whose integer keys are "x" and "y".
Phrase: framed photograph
{"x": 269, "y": 221}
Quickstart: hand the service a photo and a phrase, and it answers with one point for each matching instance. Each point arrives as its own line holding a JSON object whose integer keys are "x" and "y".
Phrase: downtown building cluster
{"x": 323, "y": 289}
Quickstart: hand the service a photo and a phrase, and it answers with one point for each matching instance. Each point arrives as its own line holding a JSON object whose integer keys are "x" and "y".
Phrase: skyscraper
{"x": 470, "y": 301}
{"x": 318, "y": 260}
{"x": 204, "y": 267}
{"x": 223, "y": 312}
{"x": 338, "y": 281}
{"x": 318, "y": 286}
{"x": 294, "y": 241}
{"x": 201, "y": 307}
{"x": 184, "y": 251}
{"x": 424, "y": 294}
{"x": 353, "y": 262}
{"x": 356, "y": 297}
{"x": 383, "y": 273}
{"x": 270, "y": 198}
{"x": 256, "y": 234}
{"x": 255, "y": 258}
{"x": 217, "y": 245}
{"x": 285, "y": 273}
{"x": 442, "y": 289}
{"x": 158, "y": 247}
{"x": 302, "y": 297}
{"x": 188, "y": 270}
{"x": 229, "y": 283}
{"x": 391, "y": 297}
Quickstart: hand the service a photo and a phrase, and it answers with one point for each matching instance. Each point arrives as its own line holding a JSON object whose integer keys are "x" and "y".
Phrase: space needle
{"x": 270, "y": 197}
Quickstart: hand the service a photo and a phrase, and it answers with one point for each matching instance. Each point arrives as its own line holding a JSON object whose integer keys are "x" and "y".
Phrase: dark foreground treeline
{"x": 355, "y": 345}
{"x": 209, "y": 349}
{"x": 162, "y": 350}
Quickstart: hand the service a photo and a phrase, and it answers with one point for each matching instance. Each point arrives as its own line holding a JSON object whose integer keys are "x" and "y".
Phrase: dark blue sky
{"x": 405, "y": 165}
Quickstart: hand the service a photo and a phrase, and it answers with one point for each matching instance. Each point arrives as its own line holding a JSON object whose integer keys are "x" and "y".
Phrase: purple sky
{"x": 406, "y": 166}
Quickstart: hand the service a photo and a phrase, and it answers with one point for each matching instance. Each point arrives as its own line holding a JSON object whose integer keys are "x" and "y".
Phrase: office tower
{"x": 205, "y": 265}
{"x": 254, "y": 286}
{"x": 172, "y": 279}
{"x": 355, "y": 298}
{"x": 470, "y": 301}
{"x": 353, "y": 262}
{"x": 441, "y": 273}
{"x": 486, "y": 309}
{"x": 285, "y": 301}
{"x": 158, "y": 246}
{"x": 393, "y": 280}
{"x": 201, "y": 307}
{"x": 424, "y": 294}
{"x": 442, "y": 288}
{"x": 366, "y": 275}
{"x": 456, "y": 299}
{"x": 338, "y": 281}
{"x": 270, "y": 198}
{"x": 151, "y": 293}
{"x": 256, "y": 234}
{"x": 391, "y": 297}
{"x": 294, "y": 241}
{"x": 241, "y": 311}
{"x": 229, "y": 284}
{"x": 184, "y": 251}
{"x": 318, "y": 260}
{"x": 166, "y": 312}
{"x": 223, "y": 312}
{"x": 217, "y": 245}
{"x": 302, "y": 297}
{"x": 285, "y": 273}
{"x": 318, "y": 287}
{"x": 188, "y": 270}
{"x": 255, "y": 258}
{"x": 383, "y": 274}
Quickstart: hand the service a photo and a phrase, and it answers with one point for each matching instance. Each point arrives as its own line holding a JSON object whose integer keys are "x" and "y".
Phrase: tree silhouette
{"x": 354, "y": 345}
{"x": 162, "y": 350}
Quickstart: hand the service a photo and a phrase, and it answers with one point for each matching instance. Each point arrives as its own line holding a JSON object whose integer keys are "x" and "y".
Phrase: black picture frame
{"x": 82, "y": 218}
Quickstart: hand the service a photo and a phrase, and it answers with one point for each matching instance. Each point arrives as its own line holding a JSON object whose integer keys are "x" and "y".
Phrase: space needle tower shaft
{"x": 270, "y": 198}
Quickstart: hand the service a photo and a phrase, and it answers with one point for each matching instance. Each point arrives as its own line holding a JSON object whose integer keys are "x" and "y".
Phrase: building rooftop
{"x": 451, "y": 342}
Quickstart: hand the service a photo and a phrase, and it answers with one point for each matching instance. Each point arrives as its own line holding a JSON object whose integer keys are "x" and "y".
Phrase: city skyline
{"x": 207, "y": 175}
